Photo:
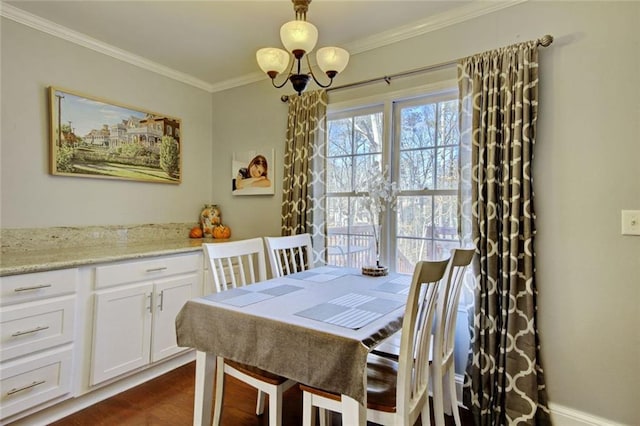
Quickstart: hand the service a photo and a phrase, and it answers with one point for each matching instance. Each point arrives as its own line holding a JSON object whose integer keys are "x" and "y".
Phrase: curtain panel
{"x": 303, "y": 187}
{"x": 504, "y": 381}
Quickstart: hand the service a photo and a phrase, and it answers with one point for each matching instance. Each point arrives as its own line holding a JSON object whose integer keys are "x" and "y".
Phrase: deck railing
{"x": 351, "y": 247}
{"x": 355, "y": 246}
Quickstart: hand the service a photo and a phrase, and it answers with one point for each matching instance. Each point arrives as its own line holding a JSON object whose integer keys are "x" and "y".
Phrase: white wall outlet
{"x": 630, "y": 222}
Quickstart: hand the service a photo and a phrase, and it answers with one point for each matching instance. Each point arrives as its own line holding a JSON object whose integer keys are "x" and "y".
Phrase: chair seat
{"x": 382, "y": 374}
{"x": 257, "y": 373}
{"x": 390, "y": 348}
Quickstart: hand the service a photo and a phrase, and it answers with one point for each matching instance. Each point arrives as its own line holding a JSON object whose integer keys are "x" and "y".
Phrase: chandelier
{"x": 299, "y": 37}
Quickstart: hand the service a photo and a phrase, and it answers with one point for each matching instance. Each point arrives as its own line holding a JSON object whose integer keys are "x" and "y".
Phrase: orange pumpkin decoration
{"x": 221, "y": 232}
{"x": 195, "y": 232}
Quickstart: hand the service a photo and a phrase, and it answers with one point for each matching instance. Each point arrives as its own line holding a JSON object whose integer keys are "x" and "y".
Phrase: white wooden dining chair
{"x": 443, "y": 374}
{"x": 443, "y": 387}
{"x": 289, "y": 254}
{"x": 236, "y": 264}
{"x": 397, "y": 391}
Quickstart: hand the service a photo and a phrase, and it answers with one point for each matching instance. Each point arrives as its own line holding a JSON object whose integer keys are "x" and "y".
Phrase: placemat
{"x": 352, "y": 310}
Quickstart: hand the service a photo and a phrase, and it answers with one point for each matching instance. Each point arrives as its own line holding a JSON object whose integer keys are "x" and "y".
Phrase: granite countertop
{"x": 15, "y": 262}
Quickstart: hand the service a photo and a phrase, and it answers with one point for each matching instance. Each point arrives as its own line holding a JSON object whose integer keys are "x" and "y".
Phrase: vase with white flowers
{"x": 380, "y": 196}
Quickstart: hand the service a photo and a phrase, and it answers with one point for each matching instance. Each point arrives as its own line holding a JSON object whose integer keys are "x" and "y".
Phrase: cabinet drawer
{"x": 38, "y": 285}
{"x": 142, "y": 270}
{"x": 34, "y": 380}
{"x": 31, "y": 327}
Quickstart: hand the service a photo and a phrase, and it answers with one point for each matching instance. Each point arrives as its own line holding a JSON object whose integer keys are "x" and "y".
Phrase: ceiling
{"x": 212, "y": 44}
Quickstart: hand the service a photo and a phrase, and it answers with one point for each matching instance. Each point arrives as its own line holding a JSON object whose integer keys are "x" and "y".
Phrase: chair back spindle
{"x": 289, "y": 254}
{"x": 236, "y": 264}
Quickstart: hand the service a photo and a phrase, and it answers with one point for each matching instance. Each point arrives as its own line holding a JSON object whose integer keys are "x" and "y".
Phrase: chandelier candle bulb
{"x": 332, "y": 60}
{"x": 272, "y": 60}
{"x": 299, "y": 37}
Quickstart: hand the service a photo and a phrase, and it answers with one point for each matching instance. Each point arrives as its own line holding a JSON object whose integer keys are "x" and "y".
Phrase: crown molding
{"x": 239, "y": 81}
{"x": 436, "y": 22}
{"x": 470, "y": 11}
{"x": 51, "y": 28}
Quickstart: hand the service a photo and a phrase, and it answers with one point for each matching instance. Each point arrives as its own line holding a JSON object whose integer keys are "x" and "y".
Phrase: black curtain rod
{"x": 543, "y": 41}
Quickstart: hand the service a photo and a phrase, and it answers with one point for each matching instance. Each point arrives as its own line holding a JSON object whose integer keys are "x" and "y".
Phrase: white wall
{"x": 31, "y": 197}
{"x": 586, "y": 171}
{"x": 248, "y": 118}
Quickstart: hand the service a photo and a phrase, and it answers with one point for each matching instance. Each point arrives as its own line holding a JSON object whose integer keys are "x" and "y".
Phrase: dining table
{"x": 316, "y": 327}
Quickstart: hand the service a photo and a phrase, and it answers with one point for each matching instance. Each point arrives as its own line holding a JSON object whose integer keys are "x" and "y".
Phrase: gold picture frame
{"x": 96, "y": 138}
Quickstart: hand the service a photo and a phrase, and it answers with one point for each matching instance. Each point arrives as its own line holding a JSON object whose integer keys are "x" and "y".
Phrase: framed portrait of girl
{"x": 252, "y": 173}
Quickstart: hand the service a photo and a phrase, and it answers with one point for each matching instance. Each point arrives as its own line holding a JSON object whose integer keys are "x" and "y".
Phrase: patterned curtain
{"x": 303, "y": 195}
{"x": 504, "y": 382}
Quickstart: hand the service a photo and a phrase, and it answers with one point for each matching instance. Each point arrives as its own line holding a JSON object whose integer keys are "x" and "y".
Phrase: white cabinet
{"x": 71, "y": 337}
{"x": 37, "y": 317}
{"x": 122, "y": 331}
{"x": 136, "y": 304}
{"x": 172, "y": 294}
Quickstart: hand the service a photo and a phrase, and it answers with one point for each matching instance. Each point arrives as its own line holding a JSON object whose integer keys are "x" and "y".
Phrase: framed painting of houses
{"x": 93, "y": 137}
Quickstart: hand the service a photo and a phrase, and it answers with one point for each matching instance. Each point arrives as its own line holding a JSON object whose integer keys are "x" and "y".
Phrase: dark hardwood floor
{"x": 168, "y": 401}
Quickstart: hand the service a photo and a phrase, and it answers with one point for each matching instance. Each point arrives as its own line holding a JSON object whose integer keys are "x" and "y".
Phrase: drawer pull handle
{"x": 161, "y": 305}
{"x": 32, "y": 385}
{"x": 34, "y": 330}
{"x": 162, "y": 268}
{"x": 35, "y": 287}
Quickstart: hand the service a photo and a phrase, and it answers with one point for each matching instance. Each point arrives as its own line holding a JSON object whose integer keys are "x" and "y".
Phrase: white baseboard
{"x": 565, "y": 416}
{"x": 560, "y": 415}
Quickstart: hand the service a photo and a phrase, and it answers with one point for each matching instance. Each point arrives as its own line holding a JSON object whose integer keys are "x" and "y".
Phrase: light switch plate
{"x": 630, "y": 222}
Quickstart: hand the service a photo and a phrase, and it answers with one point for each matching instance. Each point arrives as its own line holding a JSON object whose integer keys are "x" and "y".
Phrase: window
{"x": 417, "y": 139}
{"x": 354, "y": 149}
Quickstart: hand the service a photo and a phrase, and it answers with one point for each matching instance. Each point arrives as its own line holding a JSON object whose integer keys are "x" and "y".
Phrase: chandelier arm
{"x": 314, "y": 77}
{"x": 273, "y": 83}
{"x": 273, "y": 80}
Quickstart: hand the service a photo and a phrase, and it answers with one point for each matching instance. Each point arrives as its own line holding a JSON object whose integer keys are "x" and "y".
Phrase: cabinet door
{"x": 170, "y": 295}
{"x": 122, "y": 331}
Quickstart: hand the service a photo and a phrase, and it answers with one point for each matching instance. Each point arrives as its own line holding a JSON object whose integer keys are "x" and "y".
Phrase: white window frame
{"x": 389, "y": 155}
